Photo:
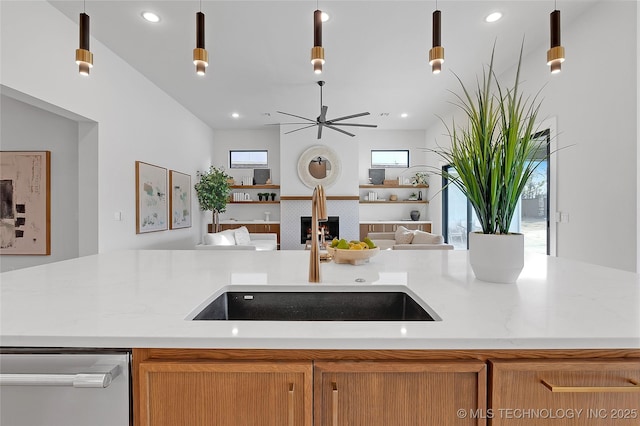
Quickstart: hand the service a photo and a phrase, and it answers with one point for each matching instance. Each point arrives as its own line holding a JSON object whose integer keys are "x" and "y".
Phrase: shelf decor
{"x": 151, "y": 198}
{"x": 180, "y": 200}
{"x": 25, "y": 202}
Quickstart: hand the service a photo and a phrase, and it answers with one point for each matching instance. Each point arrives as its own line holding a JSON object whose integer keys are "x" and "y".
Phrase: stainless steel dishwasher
{"x": 57, "y": 387}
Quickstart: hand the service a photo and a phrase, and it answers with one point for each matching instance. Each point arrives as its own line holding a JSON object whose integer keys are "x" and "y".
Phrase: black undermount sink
{"x": 314, "y": 306}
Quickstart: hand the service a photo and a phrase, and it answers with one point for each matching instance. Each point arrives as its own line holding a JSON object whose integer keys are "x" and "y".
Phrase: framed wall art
{"x": 179, "y": 200}
{"x": 25, "y": 202}
{"x": 151, "y": 198}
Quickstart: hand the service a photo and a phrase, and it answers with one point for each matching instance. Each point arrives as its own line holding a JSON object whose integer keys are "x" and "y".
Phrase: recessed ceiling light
{"x": 325, "y": 17}
{"x": 235, "y": 115}
{"x": 404, "y": 115}
{"x": 493, "y": 17}
{"x": 151, "y": 17}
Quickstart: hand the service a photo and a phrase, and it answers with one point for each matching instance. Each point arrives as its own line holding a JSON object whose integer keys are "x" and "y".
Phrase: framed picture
{"x": 179, "y": 200}
{"x": 151, "y": 198}
{"x": 25, "y": 202}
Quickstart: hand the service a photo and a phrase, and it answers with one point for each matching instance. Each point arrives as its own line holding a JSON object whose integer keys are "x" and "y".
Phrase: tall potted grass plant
{"x": 494, "y": 154}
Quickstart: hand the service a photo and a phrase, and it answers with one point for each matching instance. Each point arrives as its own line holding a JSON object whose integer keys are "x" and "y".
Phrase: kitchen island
{"x": 143, "y": 299}
{"x": 563, "y": 340}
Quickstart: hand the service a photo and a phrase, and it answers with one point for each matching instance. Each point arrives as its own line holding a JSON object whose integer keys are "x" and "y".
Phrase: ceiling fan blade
{"x": 301, "y": 128}
{"x": 279, "y": 124}
{"x": 346, "y": 117}
{"x": 297, "y": 116}
{"x": 339, "y": 130}
{"x": 350, "y": 124}
{"x": 323, "y": 114}
{"x": 320, "y": 126}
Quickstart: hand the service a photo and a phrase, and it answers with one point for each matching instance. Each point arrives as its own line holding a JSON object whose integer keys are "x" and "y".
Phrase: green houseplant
{"x": 493, "y": 156}
{"x": 213, "y": 192}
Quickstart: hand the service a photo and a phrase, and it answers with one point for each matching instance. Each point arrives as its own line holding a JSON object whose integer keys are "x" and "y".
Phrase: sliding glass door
{"x": 531, "y": 217}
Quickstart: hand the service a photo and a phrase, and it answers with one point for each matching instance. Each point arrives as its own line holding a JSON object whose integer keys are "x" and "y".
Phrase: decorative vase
{"x": 260, "y": 196}
{"x": 496, "y": 258}
{"x": 415, "y": 214}
{"x": 273, "y": 196}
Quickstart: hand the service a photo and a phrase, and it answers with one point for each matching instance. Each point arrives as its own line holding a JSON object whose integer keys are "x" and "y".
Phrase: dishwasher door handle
{"x": 78, "y": 380}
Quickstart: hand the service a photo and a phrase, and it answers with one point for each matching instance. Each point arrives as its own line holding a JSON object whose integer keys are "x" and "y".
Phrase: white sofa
{"x": 238, "y": 239}
{"x": 407, "y": 239}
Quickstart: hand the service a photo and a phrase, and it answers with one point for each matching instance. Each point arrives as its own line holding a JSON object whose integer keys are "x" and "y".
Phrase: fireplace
{"x": 331, "y": 228}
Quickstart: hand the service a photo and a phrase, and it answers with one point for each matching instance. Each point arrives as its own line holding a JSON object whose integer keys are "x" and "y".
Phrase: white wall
{"x": 596, "y": 111}
{"x": 136, "y": 120}
{"x": 60, "y": 136}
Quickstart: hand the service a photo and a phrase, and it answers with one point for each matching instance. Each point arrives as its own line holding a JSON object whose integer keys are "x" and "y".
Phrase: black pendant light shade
{"x": 84, "y": 57}
{"x": 555, "y": 55}
{"x": 200, "y": 54}
{"x": 317, "y": 51}
{"x": 436, "y": 54}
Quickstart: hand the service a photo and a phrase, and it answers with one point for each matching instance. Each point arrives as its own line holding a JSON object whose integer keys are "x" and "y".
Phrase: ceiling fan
{"x": 321, "y": 121}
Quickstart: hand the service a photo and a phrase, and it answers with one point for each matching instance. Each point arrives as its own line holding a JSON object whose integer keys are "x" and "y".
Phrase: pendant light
{"x": 436, "y": 54}
{"x": 555, "y": 55}
{"x": 84, "y": 57}
{"x": 200, "y": 54}
{"x": 317, "y": 51}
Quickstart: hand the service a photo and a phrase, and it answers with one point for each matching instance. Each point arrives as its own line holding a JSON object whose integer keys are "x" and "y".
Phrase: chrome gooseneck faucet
{"x": 318, "y": 214}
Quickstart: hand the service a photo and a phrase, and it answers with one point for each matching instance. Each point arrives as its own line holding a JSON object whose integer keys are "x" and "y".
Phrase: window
{"x": 389, "y": 158}
{"x": 248, "y": 159}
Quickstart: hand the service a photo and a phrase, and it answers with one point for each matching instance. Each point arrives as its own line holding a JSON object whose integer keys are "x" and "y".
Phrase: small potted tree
{"x": 213, "y": 192}
{"x": 494, "y": 154}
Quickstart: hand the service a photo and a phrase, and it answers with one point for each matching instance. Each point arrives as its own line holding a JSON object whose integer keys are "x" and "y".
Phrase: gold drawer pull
{"x": 592, "y": 389}
{"x": 335, "y": 403}
{"x": 290, "y": 404}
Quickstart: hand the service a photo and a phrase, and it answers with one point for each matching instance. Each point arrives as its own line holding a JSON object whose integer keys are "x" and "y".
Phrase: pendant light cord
{"x": 84, "y": 6}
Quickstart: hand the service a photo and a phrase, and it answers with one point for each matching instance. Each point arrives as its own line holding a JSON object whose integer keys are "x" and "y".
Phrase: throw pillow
{"x": 403, "y": 235}
{"x": 421, "y": 237}
{"x": 242, "y": 236}
{"x": 224, "y": 238}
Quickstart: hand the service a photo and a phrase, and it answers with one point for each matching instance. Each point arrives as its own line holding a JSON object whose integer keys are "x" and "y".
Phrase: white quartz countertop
{"x": 143, "y": 298}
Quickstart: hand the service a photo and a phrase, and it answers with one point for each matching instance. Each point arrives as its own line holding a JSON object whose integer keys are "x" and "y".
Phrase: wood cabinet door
{"x": 565, "y": 393}
{"x": 396, "y": 393}
{"x": 225, "y": 393}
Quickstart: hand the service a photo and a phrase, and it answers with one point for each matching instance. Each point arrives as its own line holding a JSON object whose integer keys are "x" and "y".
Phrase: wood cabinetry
{"x": 565, "y": 392}
{"x": 397, "y": 393}
{"x": 366, "y": 228}
{"x": 386, "y": 388}
{"x": 224, "y": 393}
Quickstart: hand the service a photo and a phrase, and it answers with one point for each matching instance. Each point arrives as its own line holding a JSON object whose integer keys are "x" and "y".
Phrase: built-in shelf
{"x": 255, "y": 187}
{"x": 393, "y": 186}
{"x": 394, "y": 202}
{"x": 254, "y": 202}
{"x": 329, "y": 197}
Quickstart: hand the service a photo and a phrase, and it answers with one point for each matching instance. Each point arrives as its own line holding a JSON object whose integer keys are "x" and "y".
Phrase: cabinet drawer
{"x": 565, "y": 393}
{"x": 257, "y": 393}
{"x": 396, "y": 393}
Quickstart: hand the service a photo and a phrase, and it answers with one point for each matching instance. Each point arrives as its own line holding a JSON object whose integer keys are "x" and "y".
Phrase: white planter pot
{"x": 496, "y": 258}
